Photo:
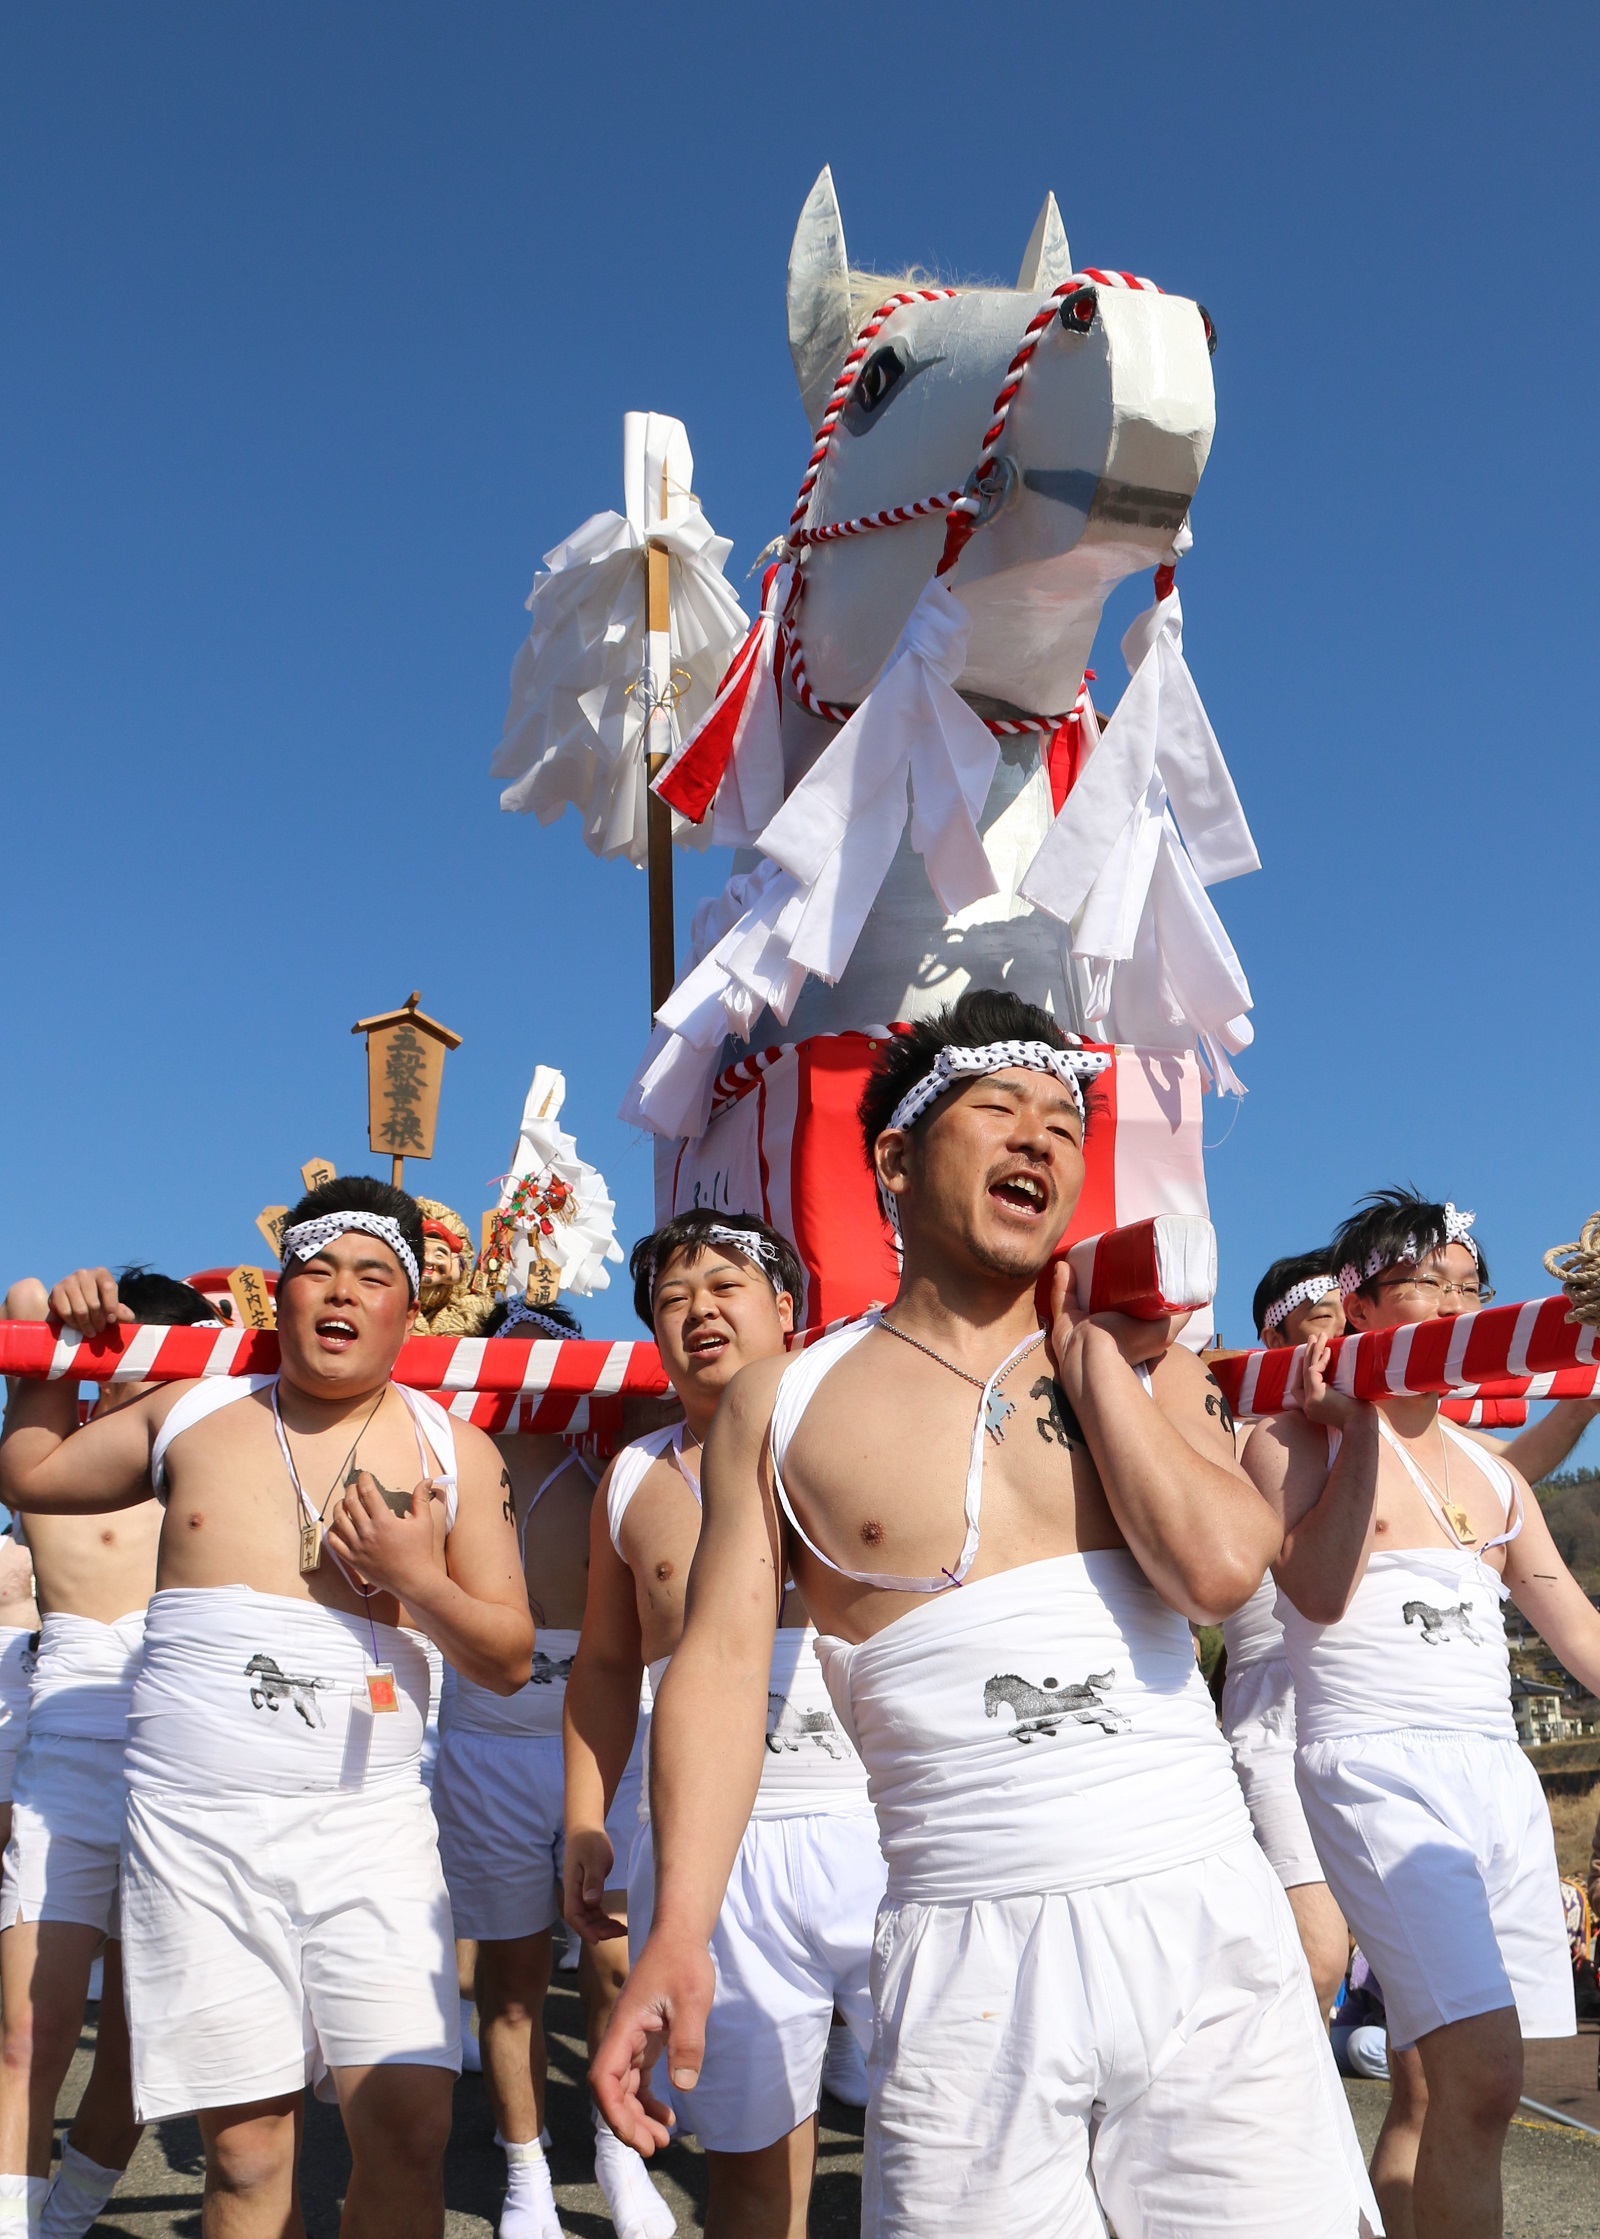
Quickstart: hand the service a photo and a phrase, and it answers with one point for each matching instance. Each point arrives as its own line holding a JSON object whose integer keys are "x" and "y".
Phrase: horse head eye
{"x": 877, "y": 379}
{"x": 1077, "y": 310}
{"x": 1211, "y": 332}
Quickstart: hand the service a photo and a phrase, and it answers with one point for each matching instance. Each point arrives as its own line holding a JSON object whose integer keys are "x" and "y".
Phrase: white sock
{"x": 637, "y": 2209}
{"x": 529, "y": 2211}
{"x": 80, "y": 2191}
{"x": 22, "y": 2202}
{"x": 844, "y": 2067}
{"x": 471, "y": 2050}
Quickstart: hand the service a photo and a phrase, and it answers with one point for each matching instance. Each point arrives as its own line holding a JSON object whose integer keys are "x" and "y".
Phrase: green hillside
{"x": 1571, "y": 1503}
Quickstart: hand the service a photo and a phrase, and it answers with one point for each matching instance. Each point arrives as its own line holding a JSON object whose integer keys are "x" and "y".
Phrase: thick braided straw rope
{"x": 1576, "y": 1267}
{"x": 964, "y": 508}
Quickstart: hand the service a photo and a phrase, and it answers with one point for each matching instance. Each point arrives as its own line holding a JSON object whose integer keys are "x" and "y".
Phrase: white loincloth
{"x": 1428, "y": 1819}
{"x": 1077, "y": 1920}
{"x": 1258, "y": 1720}
{"x": 440, "y": 1677}
{"x": 16, "y": 1674}
{"x": 793, "y": 1942}
{"x": 1439, "y": 1850}
{"x": 282, "y": 1896}
{"x": 794, "y": 1937}
{"x": 1151, "y": 2046}
{"x": 499, "y": 1802}
{"x": 68, "y": 1796}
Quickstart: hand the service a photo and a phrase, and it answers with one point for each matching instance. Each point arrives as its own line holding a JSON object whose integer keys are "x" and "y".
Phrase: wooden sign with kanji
{"x": 405, "y": 1068}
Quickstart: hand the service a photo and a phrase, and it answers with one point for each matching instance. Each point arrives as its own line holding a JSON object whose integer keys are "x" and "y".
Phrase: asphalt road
{"x": 1552, "y": 2175}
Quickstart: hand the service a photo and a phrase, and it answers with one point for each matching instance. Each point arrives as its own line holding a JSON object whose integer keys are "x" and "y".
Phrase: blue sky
{"x": 321, "y": 324}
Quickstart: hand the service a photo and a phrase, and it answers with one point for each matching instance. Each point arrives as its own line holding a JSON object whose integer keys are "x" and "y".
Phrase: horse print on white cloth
{"x": 788, "y": 1727}
{"x": 272, "y": 1687}
{"x": 548, "y": 1669}
{"x": 1438, "y": 1624}
{"x": 1042, "y": 1709}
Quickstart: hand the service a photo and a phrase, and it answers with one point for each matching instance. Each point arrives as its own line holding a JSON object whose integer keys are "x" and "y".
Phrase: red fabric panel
{"x": 839, "y": 1231}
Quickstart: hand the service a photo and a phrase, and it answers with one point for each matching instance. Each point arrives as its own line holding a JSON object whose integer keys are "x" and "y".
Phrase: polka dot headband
{"x": 1457, "y": 1230}
{"x": 1299, "y": 1294}
{"x": 310, "y": 1237}
{"x": 520, "y": 1312}
{"x": 1069, "y": 1066}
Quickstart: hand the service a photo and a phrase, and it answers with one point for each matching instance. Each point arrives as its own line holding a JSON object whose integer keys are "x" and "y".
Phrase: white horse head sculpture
{"x": 1031, "y": 446}
{"x": 1102, "y": 453}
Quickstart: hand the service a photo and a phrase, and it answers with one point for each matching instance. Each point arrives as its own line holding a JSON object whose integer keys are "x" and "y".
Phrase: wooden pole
{"x": 658, "y": 817}
{"x": 397, "y": 1172}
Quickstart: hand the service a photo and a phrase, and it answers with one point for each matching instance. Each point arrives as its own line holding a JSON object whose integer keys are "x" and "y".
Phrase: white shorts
{"x": 793, "y": 1941}
{"x": 1439, "y": 1850}
{"x": 262, "y": 1931}
{"x": 69, "y": 1807}
{"x": 1258, "y": 1719}
{"x": 1150, "y": 2047}
{"x": 499, "y": 1802}
{"x": 16, "y": 1671}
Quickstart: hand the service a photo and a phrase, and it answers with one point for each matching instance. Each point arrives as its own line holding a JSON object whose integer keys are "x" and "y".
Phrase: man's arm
{"x": 1194, "y": 1523}
{"x": 108, "y": 1466}
{"x": 598, "y": 1724}
{"x": 1551, "y": 1599}
{"x": 474, "y": 1607}
{"x": 706, "y": 1742}
{"x": 1328, "y": 1515}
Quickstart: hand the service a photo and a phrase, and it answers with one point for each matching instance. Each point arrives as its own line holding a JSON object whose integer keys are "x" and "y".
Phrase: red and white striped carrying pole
{"x": 514, "y": 1368}
{"x": 1500, "y": 1351}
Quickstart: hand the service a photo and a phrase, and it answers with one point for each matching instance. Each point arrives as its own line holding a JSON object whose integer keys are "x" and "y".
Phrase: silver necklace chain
{"x": 966, "y": 1375}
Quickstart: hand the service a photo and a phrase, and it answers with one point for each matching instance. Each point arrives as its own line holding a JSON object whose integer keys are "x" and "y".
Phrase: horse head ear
{"x": 1047, "y": 260}
{"x": 819, "y": 296}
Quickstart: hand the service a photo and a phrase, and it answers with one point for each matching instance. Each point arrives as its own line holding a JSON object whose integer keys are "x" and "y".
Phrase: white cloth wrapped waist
{"x": 83, "y": 1679}
{"x": 1254, "y": 1633}
{"x": 243, "y": 1693}
{"x": 1042, "y": 1730}
{"x": 16, "y": 1672}
{"x": 810, "y": 1763}
{"x": 1423, "y": 1643}
{"x": 533, "y": 1709}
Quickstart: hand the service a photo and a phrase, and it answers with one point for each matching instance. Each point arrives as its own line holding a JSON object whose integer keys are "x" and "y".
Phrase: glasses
{"x": 1430, "y": 1287}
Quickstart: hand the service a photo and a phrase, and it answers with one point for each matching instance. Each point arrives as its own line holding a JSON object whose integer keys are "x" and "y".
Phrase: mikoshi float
{"x": 902, "y": 748}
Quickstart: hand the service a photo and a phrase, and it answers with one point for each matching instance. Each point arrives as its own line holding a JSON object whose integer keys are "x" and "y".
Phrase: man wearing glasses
{"x": 1402, "y": 1537}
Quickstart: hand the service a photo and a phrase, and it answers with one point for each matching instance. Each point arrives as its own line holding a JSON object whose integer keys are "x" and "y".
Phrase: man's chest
{"x": 235, "y": 1463}
{"x": 1442, "y": 1498}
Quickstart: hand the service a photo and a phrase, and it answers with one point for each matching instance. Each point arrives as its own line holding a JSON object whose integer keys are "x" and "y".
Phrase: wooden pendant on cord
{"x": 311, "y": 1545}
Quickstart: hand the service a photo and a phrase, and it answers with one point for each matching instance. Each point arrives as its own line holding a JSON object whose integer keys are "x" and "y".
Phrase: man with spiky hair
{"x": 1401, "y": 1537}
{"x": 1087, "y": 1986}
{"x": 283, "y": 1907}
{"x": 792, "y": 1938}
{"x": 58, "y": 1903}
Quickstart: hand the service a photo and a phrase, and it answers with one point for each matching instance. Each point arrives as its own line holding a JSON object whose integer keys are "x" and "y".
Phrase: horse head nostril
{"x": 1211, "y": 332}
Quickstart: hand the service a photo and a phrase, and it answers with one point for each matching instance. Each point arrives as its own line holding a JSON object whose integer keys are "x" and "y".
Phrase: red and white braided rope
{"x": 1490, "y": 1351}
{"x": 961, "y": 508}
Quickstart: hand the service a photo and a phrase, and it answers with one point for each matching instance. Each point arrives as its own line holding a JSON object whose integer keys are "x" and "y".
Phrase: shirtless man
{"x": 282, "y": 1901}
{"x": 1295, "y": 1299}
{"x": 1401, "y": 1535}
{"x": 1087, "y": 1985}
{"x": 58, "y": 1904}
{"x": 498, "y": 1798}
{"x": 792, "y": 1937}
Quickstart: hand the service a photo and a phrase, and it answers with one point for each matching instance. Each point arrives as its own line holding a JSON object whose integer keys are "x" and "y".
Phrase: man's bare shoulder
{"x": 478, "y": 1456}
{"x": 748, "y": 1401}
{"x": 1275, "y": 1445}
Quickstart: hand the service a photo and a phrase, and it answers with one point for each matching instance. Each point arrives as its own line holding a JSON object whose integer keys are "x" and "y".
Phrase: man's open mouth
{"x": 1021, "y": 1193}
{"x": 334, "y": 1334}
{"x": 710, "y": 1345}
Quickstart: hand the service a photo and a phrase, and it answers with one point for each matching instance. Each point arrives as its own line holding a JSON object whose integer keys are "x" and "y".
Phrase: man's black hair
{"x": 1281, "y": 1278}
{"x": 689, "y": 1234}
{"x": 557, "y": 1314}
{"x": 1390, "y": 1223}
{"x": 972, "y": 1021}
{"x": 162, "y": 1298}
{"x": 360, "y": 1193}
